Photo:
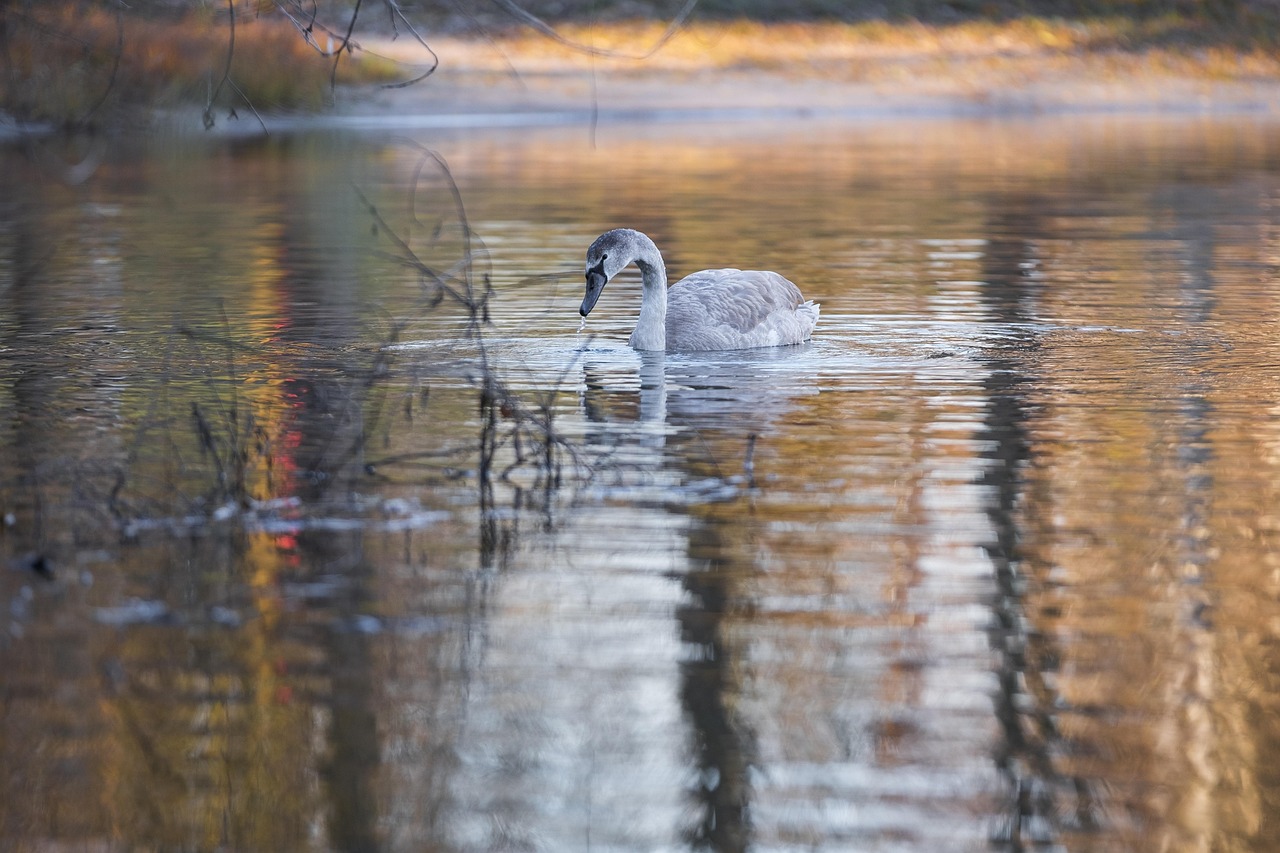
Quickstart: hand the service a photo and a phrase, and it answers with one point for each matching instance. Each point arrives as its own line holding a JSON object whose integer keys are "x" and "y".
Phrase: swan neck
{"x": 651, "y": 328}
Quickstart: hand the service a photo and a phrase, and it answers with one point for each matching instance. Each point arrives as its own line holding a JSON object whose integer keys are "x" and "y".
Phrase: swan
{"x": 708, "y": 310}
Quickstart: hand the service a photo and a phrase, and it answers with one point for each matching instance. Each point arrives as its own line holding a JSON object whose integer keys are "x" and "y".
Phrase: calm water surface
{"x": 298, "y": 557}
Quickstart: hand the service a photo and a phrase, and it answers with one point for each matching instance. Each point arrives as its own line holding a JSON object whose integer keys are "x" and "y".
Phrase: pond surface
{"x": 326, "y": 528}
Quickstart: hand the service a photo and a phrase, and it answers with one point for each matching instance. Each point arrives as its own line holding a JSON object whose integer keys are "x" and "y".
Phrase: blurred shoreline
{"x": 785, "y": 72}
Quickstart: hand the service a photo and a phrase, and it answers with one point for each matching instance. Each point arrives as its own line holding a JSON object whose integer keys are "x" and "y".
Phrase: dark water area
{"x": 325, "y": 527}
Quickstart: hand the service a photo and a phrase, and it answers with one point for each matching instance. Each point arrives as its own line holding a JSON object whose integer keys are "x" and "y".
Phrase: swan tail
{"x": 808, "y": 311}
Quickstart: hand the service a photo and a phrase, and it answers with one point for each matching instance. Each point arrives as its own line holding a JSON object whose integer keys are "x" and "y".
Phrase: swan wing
{"x": 735, "y": 309}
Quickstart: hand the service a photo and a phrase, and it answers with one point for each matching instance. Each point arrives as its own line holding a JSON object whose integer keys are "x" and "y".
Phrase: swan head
{"x": 611, "y": 252}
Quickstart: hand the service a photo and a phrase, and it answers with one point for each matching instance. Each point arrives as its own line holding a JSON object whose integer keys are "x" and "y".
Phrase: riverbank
{"x": 639, "y": 72}
{"x": 1023, "y": 67}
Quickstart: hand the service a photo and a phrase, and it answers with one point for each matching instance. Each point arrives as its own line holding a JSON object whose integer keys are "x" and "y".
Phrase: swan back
{"x": 737, "y": 309}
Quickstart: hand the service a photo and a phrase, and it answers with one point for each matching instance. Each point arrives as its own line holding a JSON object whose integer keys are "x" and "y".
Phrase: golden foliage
{"x": 881, "y": 50}
{"x": 63, "y": 62}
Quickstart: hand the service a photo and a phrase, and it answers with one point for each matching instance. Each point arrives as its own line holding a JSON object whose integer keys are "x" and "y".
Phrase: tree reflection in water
{"x": 1031, "y": 459}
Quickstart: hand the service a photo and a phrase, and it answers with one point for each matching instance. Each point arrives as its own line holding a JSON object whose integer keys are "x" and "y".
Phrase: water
{"x": 992, "y": 563}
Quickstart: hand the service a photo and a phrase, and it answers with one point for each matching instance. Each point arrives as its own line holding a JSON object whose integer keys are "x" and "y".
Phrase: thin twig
{"x": 344, "y": 45}
{"x": 249, "y": 104}
{"x": 226, "y": 71}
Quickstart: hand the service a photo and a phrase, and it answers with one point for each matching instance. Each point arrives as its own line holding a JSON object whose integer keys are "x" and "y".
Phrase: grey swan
{"x": 724, "y": 309}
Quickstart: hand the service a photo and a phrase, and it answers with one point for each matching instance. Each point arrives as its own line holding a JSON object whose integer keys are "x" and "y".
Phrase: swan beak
{"x": 595, "y": 285}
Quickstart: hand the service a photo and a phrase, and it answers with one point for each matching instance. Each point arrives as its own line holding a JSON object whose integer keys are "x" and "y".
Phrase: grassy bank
{"x": 74, "y": 64}
{"x": 97, "y": 62}
{"x": 978, "y": 59}
{"x": 800, "y": 47}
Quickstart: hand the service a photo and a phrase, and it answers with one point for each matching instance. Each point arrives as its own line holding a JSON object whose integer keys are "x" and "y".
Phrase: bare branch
{"x": 345, "y": 44}
{"x": 226, "y": 72}
{"x": 248, "y": 103}
{"x": 306, "y": 31}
